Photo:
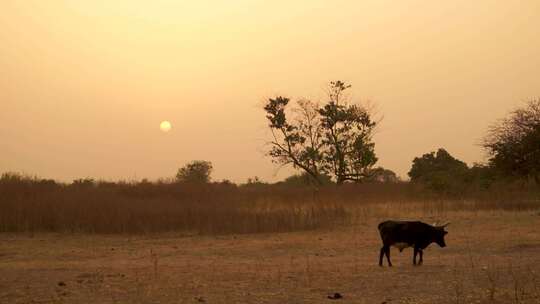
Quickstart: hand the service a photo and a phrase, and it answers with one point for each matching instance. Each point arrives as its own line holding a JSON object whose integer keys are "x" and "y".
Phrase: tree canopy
{"x": 513, "y": 143}
{"x": 333, "y": 139}
{"x": 197, "y": 171}
{"x": 438, "y": 170}
{"x": 383, "y": 175}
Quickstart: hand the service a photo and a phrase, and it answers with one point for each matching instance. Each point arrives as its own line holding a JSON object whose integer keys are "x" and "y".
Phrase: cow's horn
{"x": 448, "y": 223}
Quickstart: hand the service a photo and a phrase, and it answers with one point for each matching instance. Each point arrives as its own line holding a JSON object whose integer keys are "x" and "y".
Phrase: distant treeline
{"x": 333, "y": 142}
{"x": 30, "y": 204}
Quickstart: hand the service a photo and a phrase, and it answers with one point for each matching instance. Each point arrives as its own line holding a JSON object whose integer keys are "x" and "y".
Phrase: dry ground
{"x": 491, "y": 257}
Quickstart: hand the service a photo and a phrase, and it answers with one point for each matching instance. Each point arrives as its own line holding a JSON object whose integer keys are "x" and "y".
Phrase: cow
{"x": 403, "y": 234}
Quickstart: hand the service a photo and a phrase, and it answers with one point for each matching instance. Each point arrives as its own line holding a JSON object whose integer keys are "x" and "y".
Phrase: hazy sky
{"x": 84, "y": 85}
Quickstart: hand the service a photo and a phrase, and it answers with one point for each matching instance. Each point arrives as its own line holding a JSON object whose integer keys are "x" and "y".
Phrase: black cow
{"x": 403, "y": 234}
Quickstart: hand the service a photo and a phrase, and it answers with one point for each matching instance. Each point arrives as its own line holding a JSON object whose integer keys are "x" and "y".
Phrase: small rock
{"x": 335, "y": 296}
{"x": 61, "y": 283}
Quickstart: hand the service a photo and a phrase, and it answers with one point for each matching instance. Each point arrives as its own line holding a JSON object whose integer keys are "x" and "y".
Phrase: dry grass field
{"x": 493, "y": 256}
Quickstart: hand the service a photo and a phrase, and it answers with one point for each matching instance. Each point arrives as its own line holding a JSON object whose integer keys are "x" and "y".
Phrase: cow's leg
{"x": 414, "y": 255}
{"x": 421, "y": 256}
{"x": 387, "y": 251}
{"x": 381, "y": 255}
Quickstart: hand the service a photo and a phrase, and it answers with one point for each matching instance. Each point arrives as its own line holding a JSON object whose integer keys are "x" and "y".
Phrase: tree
{"x": 439, "y": 170}
{"x": 292, "y": 143}
{"x": 347, "y": 132}
{"x": 513, "y": 143}
{"x": 197, "y": 171}
{"x": 335, "y": 139}
{"x": 383, "y": 175}
{"x": 305, "y": 179}
{"x": 481, "y": 175}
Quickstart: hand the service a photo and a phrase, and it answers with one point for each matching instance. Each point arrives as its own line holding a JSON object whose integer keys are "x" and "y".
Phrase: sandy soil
{"x": 491, "y": 257}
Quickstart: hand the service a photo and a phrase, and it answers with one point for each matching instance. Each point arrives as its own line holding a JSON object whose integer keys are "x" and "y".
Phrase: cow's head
{"x": 439, "y": 235}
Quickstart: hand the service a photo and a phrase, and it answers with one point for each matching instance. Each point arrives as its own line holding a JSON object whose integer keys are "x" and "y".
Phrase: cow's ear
{"x": 445, "y": 232}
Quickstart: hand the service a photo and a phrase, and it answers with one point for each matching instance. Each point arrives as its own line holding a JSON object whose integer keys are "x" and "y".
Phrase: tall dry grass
{"x": 30, "y": 204}
{"x": 36, "y": 205}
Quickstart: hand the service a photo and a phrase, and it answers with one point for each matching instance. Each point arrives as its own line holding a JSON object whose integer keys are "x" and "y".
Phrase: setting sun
{"x": 165, "y": 126}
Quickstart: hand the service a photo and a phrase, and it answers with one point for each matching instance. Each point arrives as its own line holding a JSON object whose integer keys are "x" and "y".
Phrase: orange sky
{"x": 84, "y": 85}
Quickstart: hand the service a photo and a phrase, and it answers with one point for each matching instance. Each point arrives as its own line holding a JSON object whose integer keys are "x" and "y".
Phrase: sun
{"x": 165, "y": 126}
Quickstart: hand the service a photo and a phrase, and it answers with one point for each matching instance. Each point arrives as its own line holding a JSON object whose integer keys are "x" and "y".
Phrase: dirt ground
{"x": 491, "y": 257}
